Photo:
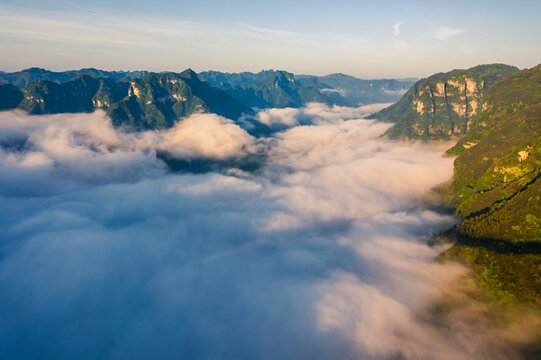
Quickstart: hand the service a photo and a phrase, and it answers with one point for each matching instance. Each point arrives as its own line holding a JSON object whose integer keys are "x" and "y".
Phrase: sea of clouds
{"x": 320, "y": 253}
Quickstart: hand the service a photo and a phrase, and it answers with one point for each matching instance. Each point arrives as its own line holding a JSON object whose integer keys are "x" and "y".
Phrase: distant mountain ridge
{"x": 158, "y": 100}
{"x": 84, "y": 93}
{"x": 265, "y": 89}
{"x": 217, "y": 78}
{"x": 350, "y": 91}
{"x": 269, "y": 88}
{"x": 150, "y": 102}
{"x": 442, "y": 105}
{"x": 24, "y": 77}
{"x": 147, "y": 100}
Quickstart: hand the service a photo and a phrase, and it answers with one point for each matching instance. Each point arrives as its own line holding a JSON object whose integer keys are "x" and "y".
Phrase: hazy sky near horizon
{"x": 368, "y": 39}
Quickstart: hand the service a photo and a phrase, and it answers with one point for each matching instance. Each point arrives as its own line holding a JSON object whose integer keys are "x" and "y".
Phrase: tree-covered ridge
{"x": 265, "y": 89}
{"x": 218, "y": 78}
{"x": 496, "y": 187}
{"x": 24, "y": 77}
{"x": 496, "y": 192}
{"x": 158, "y": 100}
{"x": 443, "y": 105}
{"x": 268, "y": 88}
{"x": 84, "y": 93}
{"x": 153, "y": 101}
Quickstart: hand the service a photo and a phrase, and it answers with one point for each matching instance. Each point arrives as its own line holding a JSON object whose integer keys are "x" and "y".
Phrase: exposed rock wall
{"x": 443, "y": 105}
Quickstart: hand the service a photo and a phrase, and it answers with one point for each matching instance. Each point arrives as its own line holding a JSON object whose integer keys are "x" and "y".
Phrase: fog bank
{"x": 320, "y": 253}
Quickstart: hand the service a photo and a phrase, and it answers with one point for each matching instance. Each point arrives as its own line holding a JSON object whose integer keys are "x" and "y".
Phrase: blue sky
{"x": 366, "y": 39}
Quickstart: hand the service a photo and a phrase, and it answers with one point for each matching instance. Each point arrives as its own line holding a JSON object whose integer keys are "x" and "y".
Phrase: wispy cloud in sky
{"x": 444, "y": 32}
{"x": 396, "y": 28}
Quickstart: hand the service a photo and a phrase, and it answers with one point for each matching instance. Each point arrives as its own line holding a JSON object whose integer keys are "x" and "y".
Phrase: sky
{"x": 375, "y": 39}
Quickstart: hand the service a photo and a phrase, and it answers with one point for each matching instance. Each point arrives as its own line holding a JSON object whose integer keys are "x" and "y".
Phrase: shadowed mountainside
{"x": 266, "y": 89}
{"x": 151, "y": 102}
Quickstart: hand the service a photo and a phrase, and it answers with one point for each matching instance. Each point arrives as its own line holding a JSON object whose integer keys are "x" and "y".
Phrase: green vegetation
{"x": 151, "y": 102}
{"x": 24, "y": 77}
{"x": 496, "y": 187}
{"x": 505, "y": 284}
{"x": 158, "y": 100}
{"x": 444, "y": 105}
{"x": 496, "y": 191}
{"x": 47, "y": 97}
{"x": 265, "y": 89}
{"x": 508, "y": 273}
{"x": 81, "y": 94}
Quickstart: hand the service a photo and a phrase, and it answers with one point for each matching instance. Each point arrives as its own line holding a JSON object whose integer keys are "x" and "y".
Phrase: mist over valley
{"x": 270, "y": 180}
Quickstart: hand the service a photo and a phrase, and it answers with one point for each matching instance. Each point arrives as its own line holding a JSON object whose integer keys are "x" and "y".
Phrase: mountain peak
{"x": 189, "y": 74}
{"x": 35, "y": 70}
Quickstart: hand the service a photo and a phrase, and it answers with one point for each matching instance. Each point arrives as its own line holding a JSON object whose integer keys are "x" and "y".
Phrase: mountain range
{"x": 158, "y": 100}
{"x": 24, "y": 77}
{"x": 347, "y": 90}
{"x": 442, "y": 105}
{"x": 493, "y": 111}
{"x": 155, "y": 100}
{"x": 145, "y": 100}
{"x": 266, "y": 89}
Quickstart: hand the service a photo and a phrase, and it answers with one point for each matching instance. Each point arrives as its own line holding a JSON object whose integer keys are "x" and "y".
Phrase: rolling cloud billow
{"x": 319, "y": 253}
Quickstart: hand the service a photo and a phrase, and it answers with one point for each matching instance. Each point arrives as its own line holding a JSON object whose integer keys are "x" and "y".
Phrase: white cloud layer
{"x": 319, "y": 254}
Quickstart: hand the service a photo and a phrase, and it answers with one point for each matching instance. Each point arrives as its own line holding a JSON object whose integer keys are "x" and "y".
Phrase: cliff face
{"x": 496, "y": 191}
{"x": 496, "y": 187}
{"x": 443, "y": 105}
{"x": 153, "y": 101}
